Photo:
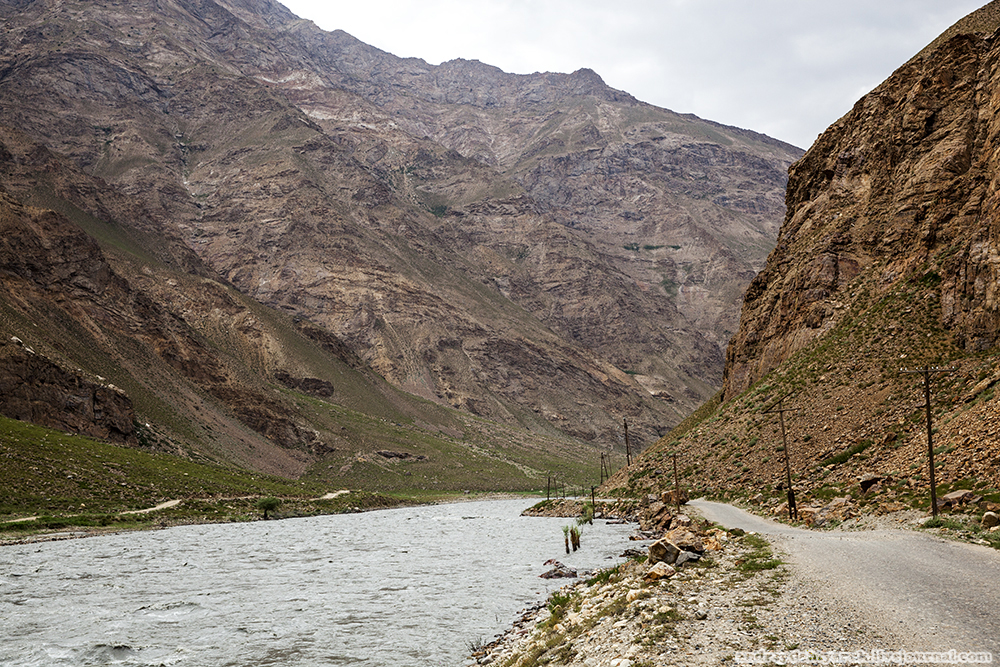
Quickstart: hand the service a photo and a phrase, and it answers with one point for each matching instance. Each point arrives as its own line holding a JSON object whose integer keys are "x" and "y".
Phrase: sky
{"x": 787, "y": 68}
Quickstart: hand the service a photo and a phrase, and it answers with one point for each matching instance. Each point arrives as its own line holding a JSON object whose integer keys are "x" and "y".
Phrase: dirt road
{"x": 939, "y": 595}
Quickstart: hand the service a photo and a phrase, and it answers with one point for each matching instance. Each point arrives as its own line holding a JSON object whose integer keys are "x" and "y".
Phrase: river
{"x": 400, "y": 587}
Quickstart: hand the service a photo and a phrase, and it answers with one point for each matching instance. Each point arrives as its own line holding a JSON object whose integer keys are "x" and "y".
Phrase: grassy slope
{"x": 856, "y": 416}
{"x": 364, "y": 415}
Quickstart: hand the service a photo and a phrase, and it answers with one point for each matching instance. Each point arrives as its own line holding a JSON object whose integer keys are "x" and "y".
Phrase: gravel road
{"x": 936, "y": 595}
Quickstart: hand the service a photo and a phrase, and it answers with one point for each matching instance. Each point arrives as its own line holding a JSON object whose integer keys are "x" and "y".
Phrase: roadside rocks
{"x": 837, "y": 510}
{"x": 957, "y": 498}
{"x": 663, "y": 551}
{"x": 990, "y": 520}
{"x": 558, "y": 571}
{"x": 659, "y": 571}
{"x": 642, "y": 613}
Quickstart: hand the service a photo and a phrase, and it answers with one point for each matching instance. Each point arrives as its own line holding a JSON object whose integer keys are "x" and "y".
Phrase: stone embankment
{"x": 698, "y": 595}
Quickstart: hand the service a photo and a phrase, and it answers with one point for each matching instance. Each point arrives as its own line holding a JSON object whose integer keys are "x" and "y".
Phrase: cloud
{"x": 788, "y": 68}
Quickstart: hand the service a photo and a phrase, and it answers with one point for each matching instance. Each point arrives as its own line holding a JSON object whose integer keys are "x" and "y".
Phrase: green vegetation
{"x": 845, "y": 455}
{"x": 69, "y": 481}
{"x": 759, "y": 558}
{"x": 269, "y": 504}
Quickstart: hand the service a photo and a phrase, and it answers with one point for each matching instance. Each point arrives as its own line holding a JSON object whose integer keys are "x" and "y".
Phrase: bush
{"x": 268, "y": 505}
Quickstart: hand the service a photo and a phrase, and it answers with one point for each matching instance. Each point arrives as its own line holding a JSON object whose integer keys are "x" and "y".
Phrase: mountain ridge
{"x": 479, "y": 257}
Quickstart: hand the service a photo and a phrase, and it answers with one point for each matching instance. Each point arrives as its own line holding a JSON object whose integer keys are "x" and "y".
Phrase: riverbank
{"x": 211, "y": 510}
{"x": 734, "y": 601}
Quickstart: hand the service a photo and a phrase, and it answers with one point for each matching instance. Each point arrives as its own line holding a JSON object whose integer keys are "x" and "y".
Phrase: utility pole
{"x": 677, "y": 486}
{"x": 628, "y": 451}
{"x": 793, "y": 512}
{"x": 926, "y": 372}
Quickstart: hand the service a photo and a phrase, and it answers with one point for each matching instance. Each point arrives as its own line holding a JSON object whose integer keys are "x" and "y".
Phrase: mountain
{"x": 541, "y": 251}
{"x": 886, "y": 263}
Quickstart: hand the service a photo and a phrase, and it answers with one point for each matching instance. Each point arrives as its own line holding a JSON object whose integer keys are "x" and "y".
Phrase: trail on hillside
{"x": 940, "y": 594}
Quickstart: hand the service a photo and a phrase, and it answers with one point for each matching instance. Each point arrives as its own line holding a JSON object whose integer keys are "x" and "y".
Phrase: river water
{"x": 401, "y": 587}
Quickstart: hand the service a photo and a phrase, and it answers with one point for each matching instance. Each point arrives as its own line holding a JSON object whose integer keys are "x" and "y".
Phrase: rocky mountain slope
{"x": 542, "y": 251}
{"x": 132, "y": 339}
{"x": 886, "y": 262}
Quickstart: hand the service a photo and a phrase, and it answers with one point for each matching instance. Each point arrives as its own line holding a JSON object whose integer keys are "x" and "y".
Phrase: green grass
{"x": 53, "y": 474}
{"x": 759, "y": 558}
{"x": 845, "y": 455}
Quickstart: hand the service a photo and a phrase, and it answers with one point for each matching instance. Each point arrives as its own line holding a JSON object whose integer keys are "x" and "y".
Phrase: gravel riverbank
{"x": 735, "y": 601}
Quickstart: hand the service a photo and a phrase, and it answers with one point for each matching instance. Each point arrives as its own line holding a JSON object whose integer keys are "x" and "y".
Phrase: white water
{"x": 399, "y": 587}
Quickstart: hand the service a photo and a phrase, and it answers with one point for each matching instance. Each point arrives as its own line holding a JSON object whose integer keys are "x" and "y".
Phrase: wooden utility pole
{"x": 628, "y": 450}
{"x": 793, "y": 512}
{"x": 677, "y": 486}
{"x": 926, "y": 372}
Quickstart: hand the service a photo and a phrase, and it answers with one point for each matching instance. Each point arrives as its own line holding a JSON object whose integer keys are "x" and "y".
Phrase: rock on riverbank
{"x": 739, "y": 598}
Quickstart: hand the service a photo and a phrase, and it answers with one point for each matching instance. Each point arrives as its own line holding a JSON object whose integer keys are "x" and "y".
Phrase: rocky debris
{"x": 686, "y": 539}
{"x": 556, "y": 508}
{"x": 664, "y": 551}
{"x": 611, "y": 511}
{"x": 657, "y": 516}
{"x": 837, "y": 510}
{"x": 401, "y": 456}
{"x": 990, "y": 520}
{"x": 957, "y": 498}
{"x": 660, "y": 570}
{"x": 701, "y": 614}
{"x": 558, "y": 571}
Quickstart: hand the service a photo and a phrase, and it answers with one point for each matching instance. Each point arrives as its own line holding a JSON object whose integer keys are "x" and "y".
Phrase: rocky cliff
{"x": 887, "y": 262}
{"x": 900, "y": 191}
{"x": 543, "y": 250}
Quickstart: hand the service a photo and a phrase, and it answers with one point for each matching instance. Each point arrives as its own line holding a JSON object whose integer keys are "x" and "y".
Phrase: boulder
{"x": 686, "y": 556}
{"x": 663, "y": 551}
{"x": 685, "y": 539}
{"x": 808, "y": 515}
{"x": 956, "y": 498}
{"x": 990, "y": 519}
{"x": 656, "y": 517}
{"x": 868, "y": 482}
{"x": 660, "y": 571}
{"x": 558, "y": 570}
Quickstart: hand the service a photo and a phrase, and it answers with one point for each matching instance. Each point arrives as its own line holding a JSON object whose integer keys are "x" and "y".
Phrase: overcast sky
{"x": 787, "y": 68}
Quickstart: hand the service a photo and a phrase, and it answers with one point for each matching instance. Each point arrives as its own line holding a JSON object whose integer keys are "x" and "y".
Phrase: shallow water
{"x": 401, "y": 587}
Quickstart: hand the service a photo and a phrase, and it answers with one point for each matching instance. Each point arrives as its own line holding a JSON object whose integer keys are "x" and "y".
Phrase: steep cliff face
{"x": 901, "y": 190}
{"x": 887, "y": 261}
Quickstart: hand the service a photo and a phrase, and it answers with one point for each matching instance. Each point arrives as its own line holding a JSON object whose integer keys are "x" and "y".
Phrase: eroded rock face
{"x": 902, "y": 191}
{"x": 34, "y": 389}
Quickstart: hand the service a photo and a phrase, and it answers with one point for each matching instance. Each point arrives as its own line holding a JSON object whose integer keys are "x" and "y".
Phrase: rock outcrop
{"x": 886, "y": 265}
{"x": 34, "y": 389}
{"x": 899, "y": 192}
